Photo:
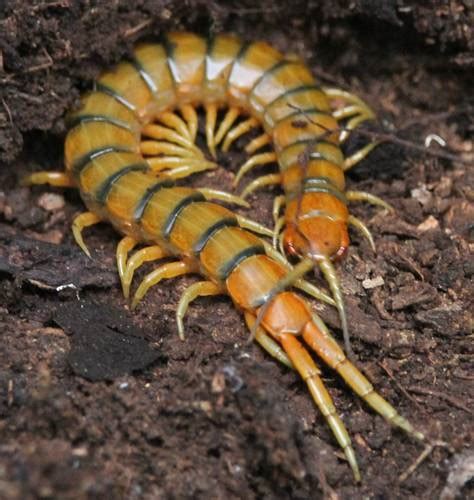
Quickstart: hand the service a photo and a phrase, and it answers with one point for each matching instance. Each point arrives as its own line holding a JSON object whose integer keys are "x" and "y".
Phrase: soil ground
{"x": 99, "y": 402}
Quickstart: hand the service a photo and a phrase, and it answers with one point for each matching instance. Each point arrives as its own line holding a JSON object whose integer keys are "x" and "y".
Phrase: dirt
{"x": 100, "y": 402}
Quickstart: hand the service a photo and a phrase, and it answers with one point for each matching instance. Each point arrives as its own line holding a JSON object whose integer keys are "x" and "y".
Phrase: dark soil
{"x": 97, "y": 402}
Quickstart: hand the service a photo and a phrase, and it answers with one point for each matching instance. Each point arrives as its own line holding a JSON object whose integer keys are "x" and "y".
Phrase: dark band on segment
{"x": 173, "y": 216}
{"x": 243, "y": 49}
{"x": 149, "y": 82}
{"x": 105, "y": 89}
{"x": 148, "y": 195}
{"x": 320, "y": 185}
{"x": 211, "y": 231}
{"x": 226, "y": 269}
{"x": 78, "y": 120}
{"x": 294, "y": 90}
{"x": 312, "y": 154}
{"x": 81, "y": 162}
{"x": 268, "y": 72}
{"x": 304, "y": 112}
{"x": 169, "y": 49}
{"x": 104, "y": 189}
{"x": 210, "y": 40}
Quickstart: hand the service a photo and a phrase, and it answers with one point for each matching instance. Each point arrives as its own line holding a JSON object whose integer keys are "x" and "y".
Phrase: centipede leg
{"x": 310, "y": 373}
{"x": 216, "y": 194}
{"x": 359, "y": 155}
{"x": 358, "y": 224}
{"x": 147, "y": 254}
{"x": 369, "y": 198}
{"x": 191, "y": 118}
{"x": 155, "y": 148}
{"x": 277, "y": 230}
{"x": 226, "y": 124}
{"x": 211, "y": 118}
{"x": 264, "y": 180}
{"x": 252, "y": 162}
{"x": 278, "y": 203}
{"x": 199, "y": 289}
{"x": 164, "y": 133}
{"x": 240, "y": 129}
{"x": 321, "y": 342}
{"x": 177, "y": 168}
{"x": 81, "y": 222}
{"x": 265, "y": 341}
{"x": 126, "y": 244}
{"x": 257, "y": 143}
{"x": 166, "y": 271}
{"x": 173, "y": 121}
{"x": 57, "y": 179}
{"x": 253, "y": 226}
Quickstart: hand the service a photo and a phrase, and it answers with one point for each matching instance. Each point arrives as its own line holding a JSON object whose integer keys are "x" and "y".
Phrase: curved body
{"x": 104, "y": 161}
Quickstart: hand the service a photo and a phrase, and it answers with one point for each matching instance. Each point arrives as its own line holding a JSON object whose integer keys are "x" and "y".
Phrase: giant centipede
{"x": 127, "y": 145}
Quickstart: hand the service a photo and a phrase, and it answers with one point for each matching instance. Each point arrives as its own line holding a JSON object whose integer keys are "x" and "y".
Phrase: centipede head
{"x": 316, "y": 237}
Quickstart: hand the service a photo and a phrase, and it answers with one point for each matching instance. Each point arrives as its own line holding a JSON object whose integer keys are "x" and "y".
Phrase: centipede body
{"x": 135, "y": 192}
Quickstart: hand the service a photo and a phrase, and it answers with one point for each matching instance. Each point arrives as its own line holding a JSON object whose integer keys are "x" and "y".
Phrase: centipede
{"x": 133, "y": 138}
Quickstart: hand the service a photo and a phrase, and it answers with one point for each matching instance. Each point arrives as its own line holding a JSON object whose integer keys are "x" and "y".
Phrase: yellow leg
{"x": 319, "y": 339}
{"x": 187, "y": 170}
{"x": 211, "y": 117}
{"x": 188, "y": 165}
{"x": 226, "y": 123}
{"x": 358, "y": 156}
{"x": 216, "y": 194}
{"x": 265, "y": 180}
{"x": 358, "y": 224}
{"x": 265, "y": 341}
{"x": 154, "y": 148}
{"x": 163, "y": 133}
{"x": 310, "y": 373}
{"x": 240, "y": 129}
{"x": 253, "y": 226}
{"x": 301, "y": 284}
{"x": 252, "y": 162}
{"x": 257, "y": 143}
{"x": 200, "y": 289}
{"x": 347, "y": 98}
{"x": 172, "y": 120}
{"x": 125, "y": 245}
{"x": 191, "y": 118}
{"x": 369, "y": 198}
{"x": 166, "y": 271}
{"x": 278, "y": 203}
{"x": 80, "y": 222}
{"x": 277, "y": 230}
{"x": 57, "y": 179}
{"x": 146, "y": 254}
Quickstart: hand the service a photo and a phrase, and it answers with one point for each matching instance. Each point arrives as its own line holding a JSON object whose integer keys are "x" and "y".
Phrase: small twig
{"x": 450, "y": 399}
{"x": 135, "y": 29}
{"x": 387, "y": 370}
{"x": 7, "y": 109}
{"x": 39, "y": 67}
{"x": 424, "y": 454}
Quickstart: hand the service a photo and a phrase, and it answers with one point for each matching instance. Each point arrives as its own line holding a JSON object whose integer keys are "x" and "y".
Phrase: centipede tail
{"x": 122, "y": 183}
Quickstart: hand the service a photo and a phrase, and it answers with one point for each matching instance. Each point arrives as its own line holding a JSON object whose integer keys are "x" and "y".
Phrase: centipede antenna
{"x": 331, "y": 277}
{"x": 293, "y": 275}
